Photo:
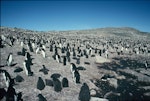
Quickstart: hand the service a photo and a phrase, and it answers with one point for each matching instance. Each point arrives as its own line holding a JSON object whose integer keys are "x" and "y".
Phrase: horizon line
{"x": 73, "y": 29}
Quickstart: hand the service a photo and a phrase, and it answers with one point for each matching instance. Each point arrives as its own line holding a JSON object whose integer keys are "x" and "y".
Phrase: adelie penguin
{"x": 27, "y": 68}
{"x": 58, "y": 59}
{"x": 40, "y": 84}
{"x": 27, "y": 56}
{"x": 11, "y": 94}
{"x": 65, "y": 82}
{"x": 41, "y": 97}
{"x": 43, "y": 53}
{"x": 5, "y": 78}
{"x": 73, "y": 67}
{"x": 68, "y": 56}
{"x": 51, "y": 48}
{"x": 23, "y": 51}
{"x": 57, "y": 85}
{"x": 62, "y": 50}
{"x": 64, "y": 60}
{"x": 37, "y": 50}
{"x": 30, "y": 46}
{"x": 2, "y": 94}
{"x": 44, "y": 47}
{"x": 78, "y": 61}
{"x": 76, "y": 76}
{"x": 44, "y": 70}
{"x": 84, "y": 94}
{"x": 21, "y": 43}
{"x": 9, "y": 60}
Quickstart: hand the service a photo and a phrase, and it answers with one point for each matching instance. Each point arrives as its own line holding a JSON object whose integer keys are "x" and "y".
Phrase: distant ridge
{"x": 118, "y": 31}
{"x": 104, "y": 28}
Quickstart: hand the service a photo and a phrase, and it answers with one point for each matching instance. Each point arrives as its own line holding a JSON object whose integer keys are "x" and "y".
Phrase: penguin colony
{"x": 63, "y": 51}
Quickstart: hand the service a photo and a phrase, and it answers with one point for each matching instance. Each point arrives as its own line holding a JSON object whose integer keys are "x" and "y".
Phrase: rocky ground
{"x": 120, "y": 77}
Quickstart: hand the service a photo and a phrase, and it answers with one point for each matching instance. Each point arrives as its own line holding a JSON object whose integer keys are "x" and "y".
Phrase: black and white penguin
{"x": 5, "y": 78}
{"x": 84, "y": 94}
{"x": 106, "y": 53}
{"x": 76, "y": 76}
{"x": 22, "y": 43}
{"x": 57, "y": 85}
{"x": 65, "y": 82}
{"x": 33, "y": 45}
{"x": 2, "y": 93}
{"x": 44, "y": 70}
{"x": 68, "y": 56}
{"x": 84, "y": 52}
{"x": 11, "y": 94}
{"x": 78, "y": 61}
{"x": 74, "y": 53}
{"x": 73, "y": 67}
{"x": 43, "y": 53}
{"x": 27, "y": 56}
{"x": 81, "y": 53}
{"x": 30, "y": 46}
{"x": 62, "y": 50}
{"x": 1, "y": 43}
{"x": 40, "y": 84}
{"x": 23, "y": 51}
{"x": 56, "y": 50}
{"x": 146, "y": 65}
{"x": 27, "y": 68}
{"x": 19, "y": 96}
{"x": 51, "y": 48}
{"x": 100, "y": 52}
{"x": 44, "y": 47}
{"x": 90, "y": 51}
{"x": 58, "y": 59}
{"x": 41, "y": 97}
{"x": 64, "y": 60}
{"x": 9, "y": 59}
{"x": 37, "y": 50}
{"x": 95, "y": 50}
{"x": 12, "y": 40}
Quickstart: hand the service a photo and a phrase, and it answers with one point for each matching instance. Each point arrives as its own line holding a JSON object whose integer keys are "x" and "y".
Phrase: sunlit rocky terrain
{"x": 113, "y": 62}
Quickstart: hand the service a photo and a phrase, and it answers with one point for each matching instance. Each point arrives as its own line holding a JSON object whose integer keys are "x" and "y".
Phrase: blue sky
{"x": 71, "y": 15}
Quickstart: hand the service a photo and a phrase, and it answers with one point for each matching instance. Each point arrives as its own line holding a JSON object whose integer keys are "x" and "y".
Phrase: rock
{"x": 145, "y": 87}
{"x": 121, "y": 77}
{"x": 98, "y": 99}
{"x": 99, "y": 59}
{"x": 147, "y": 94}
{"x": 111, "y": 95}
{"x": 93, "y": 92}
{"x": 113, "y": 82}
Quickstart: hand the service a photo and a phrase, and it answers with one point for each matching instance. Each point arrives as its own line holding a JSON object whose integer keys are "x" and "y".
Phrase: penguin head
{"x": 39, "y": 95}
